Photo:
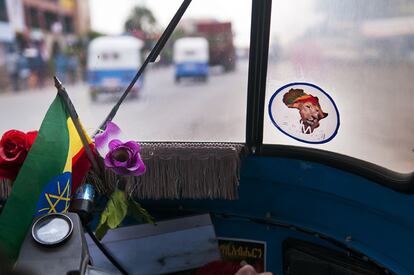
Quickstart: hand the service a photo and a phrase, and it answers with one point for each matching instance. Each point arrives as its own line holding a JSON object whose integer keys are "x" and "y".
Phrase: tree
{"x": 141, "y": 21}
{"x": 167, "y": 52}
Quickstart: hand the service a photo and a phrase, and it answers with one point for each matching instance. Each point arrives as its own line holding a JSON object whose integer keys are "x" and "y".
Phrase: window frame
{"x": 258, "y": 61}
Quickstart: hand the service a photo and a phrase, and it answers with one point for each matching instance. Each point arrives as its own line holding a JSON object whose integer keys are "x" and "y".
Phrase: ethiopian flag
{"x": 44, "y": 182}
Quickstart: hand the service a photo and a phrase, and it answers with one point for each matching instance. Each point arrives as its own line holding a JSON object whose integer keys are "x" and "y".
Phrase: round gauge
{"x": 52, "y": 229}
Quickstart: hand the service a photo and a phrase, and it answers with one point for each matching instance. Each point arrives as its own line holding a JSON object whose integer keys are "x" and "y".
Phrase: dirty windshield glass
{"x": 340, "y": 78}
{"x": 196, "y": 91}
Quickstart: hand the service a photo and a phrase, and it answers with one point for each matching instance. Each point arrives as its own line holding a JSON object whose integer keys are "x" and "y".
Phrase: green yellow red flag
{"x": 44, "y": 182}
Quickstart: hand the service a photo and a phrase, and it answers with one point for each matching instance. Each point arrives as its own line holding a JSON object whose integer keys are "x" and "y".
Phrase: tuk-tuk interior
{"x": 336, "y": 205}
{"x": 313, "y": 175}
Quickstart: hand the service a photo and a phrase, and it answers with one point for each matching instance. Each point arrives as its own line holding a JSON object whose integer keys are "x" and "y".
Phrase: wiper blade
{"x": 150, "y": 58}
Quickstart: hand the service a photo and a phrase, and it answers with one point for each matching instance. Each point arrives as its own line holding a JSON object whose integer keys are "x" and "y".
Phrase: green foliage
{"x": 113, "y": 214}
{"x": 140, "y": 18}
{"x": 117, "y": 208}
{"x": 138, "y": 213}
{"x": 167, "y": 52}
{"x": 94, "y": 34}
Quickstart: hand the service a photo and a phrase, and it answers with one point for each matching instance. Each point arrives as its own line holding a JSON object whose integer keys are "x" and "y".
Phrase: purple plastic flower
{"x": 122, "y": 157}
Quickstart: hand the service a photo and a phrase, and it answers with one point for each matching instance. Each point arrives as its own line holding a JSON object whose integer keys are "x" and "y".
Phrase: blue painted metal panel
{"x": 359, "y": 213}
{"x": 272, "y": 236}
{"x": 188, "y": 69}
{"x": 112, "y": 78}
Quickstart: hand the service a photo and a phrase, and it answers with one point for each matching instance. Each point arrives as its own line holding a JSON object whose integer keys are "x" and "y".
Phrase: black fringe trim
{"x": 176, "y": 170}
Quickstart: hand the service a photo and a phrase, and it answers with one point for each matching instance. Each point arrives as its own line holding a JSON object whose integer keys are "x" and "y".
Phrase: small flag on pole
{"x": 44, "y": 182}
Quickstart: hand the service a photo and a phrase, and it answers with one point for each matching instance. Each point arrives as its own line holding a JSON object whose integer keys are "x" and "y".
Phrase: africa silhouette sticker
{"x": 304, "y": 112}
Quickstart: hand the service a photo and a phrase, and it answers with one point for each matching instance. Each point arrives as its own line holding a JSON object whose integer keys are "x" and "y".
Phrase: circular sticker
{"x": 304, "y": 112}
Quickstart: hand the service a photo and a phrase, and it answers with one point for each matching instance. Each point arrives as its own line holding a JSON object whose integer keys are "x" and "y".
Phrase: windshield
{"x": 340, "y": 79}
{"x": 193, "y": 93}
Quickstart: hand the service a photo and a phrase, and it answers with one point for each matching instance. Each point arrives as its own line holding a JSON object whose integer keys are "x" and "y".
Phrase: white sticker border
{"x": 296, "y": 138}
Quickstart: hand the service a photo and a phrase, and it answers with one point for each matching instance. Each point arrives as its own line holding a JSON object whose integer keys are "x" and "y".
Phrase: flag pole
{"x": 75, "y": 118}
{"x": 150, "y": 58}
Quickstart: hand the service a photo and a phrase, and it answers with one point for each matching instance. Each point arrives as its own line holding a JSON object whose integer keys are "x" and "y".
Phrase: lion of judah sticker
{"x": 304, "y": 112}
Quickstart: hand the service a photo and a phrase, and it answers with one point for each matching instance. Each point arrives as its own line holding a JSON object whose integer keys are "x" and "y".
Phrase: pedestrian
{"x": 72, "y": 68}
{"x": 12, "y": 66}
{"x": 60, "y": 62}
{"x": 40, "y": 70}
{"x": 61, "y": 66}
{"x": 24, "y": 71}
{"x": 31, "y": 54}
{"x": 39, "y": 66}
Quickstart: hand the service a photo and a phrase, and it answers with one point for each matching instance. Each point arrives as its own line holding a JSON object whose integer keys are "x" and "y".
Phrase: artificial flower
{"x": 123, "y": 158}
{"x": 14, "y": 146}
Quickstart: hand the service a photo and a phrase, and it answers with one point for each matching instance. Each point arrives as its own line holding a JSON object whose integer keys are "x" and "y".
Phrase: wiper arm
{"x": 167, "y": 33}
{"x": 150, "y": 58}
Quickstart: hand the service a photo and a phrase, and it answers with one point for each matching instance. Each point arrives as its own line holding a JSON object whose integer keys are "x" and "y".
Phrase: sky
{"x": 108, "y": 16}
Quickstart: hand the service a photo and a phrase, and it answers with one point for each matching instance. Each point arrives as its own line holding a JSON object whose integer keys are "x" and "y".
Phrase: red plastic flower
{"x": 14, "y": 146}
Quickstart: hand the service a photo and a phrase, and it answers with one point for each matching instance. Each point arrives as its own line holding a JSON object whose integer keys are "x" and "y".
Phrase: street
{"x": 376, "y": 120}
{"x": 164, "y": 111}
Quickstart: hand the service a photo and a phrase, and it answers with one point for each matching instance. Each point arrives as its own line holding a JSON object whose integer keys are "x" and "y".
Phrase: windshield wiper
{"x": 150, "y": 58}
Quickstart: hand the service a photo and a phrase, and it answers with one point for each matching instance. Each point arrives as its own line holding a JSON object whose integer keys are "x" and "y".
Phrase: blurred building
{"x": 7, "y": 35}
{"x": 72, "y": 15}
{"x": 61, "y": 21}
{"x": 42, "y": 24}
{"x": 43, "y": 20}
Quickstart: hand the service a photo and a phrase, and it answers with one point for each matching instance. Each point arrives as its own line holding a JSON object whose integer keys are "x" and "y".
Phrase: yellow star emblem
{"x": 61, "y": 196}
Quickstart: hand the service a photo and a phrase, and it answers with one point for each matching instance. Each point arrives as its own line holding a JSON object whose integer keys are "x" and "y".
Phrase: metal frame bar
{"x": 259, "y": 46}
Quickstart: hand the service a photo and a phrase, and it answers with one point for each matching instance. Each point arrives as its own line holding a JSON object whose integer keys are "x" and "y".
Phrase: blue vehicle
{"x": 112, "y": 63}
{"x": 191, "y": 58}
